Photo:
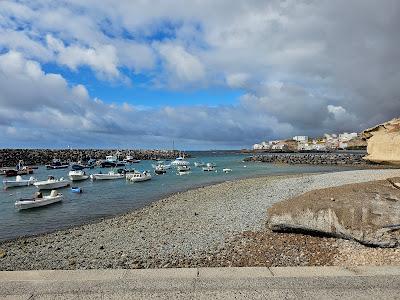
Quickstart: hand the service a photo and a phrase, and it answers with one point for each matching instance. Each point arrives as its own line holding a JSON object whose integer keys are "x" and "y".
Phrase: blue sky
{"x": 207, "y": 75}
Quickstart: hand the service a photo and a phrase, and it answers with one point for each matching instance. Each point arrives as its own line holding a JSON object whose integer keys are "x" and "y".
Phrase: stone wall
{"x": 311, "y": 158}
{"x": 10, "y": 157}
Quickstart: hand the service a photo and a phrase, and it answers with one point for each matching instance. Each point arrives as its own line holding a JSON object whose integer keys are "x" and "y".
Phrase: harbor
{"x": 106, "y": 198}
{"x": 213, "y": 226}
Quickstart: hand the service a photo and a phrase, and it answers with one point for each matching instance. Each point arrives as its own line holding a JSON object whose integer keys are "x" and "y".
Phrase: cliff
{"x": 383, "y": 142}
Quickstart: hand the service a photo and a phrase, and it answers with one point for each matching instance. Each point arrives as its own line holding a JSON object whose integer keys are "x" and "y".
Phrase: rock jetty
{"x": 368, "y": 213}
{"x": 10, "y": 157}
{"x": 311, "y": 158}
{"x": 383, "y": 142}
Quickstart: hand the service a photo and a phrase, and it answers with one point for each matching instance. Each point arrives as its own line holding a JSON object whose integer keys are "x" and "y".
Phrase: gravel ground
{"x": 192, "y": 228}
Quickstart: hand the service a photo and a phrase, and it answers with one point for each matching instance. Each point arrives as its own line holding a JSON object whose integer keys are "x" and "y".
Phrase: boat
{"x": 180, "y": 161}
{"x": 91, "y": 163}
{"x": 112, "y": 161}
{"x": 199, "y": 164}
{"x": 138, "y": 176}
{"x": 160, "y": 169}
{"x": 19, "y": 181}
{"x": 76, "y": 189}
{"x": 226, "y": 170}
{"x": 38, "y": 200}
{"x": 20, "y": 169}
{"x": 183, "y": 170}
{"x": 77, "y": 175}
{"x": 4, "y": 170}
{"x": 131, "y": 160}
{"x": 57, "y": 164}
{"x": 77, "y": 167}
{"x": 113, "y": 174}
{"x": 209, "y": 167}
{"x": 51, "y": 183}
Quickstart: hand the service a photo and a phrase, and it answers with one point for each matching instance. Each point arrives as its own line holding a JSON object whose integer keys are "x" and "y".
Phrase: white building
{"x": 345, "y": 137}
{"x": 300, "y": 138}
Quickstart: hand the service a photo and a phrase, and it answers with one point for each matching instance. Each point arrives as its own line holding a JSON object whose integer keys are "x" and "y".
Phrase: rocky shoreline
{"x": 219, "y": 225}
{"x": 11, "y": 157}
{"x": 311, "y": 158}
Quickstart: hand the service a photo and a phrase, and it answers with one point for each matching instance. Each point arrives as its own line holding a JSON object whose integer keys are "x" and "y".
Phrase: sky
{"x": 205, "y": 74}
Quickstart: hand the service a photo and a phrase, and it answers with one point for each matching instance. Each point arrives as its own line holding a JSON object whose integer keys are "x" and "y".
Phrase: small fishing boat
{"x": 19, "y": 170}
{"x": 138, "y": 176}
{"x": 180, "y": 161}
{"x": 76, "y": 189}
{"x": 38, "y": 200}
{"x": 209, "y": 167}
{"x": 113, "y": 174}
{"x": 77, "y": 175}
{"x": 77, "y": 167}
{"x": 51, "y": 183}
{"x": 183, "y": 170}
{"x": 57, "y": 164}
{"x": 226, "y": 170}
{"x": 129, "y": 159}
{"x": 19, "y": 181}
{"x": 160, "y": 169}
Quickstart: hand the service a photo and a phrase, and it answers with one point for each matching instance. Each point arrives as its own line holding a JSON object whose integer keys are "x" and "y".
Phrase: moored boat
{"x": 160, "y": 169}
{"x": 51, "y": 183}
{"x": 57, "y": 164}
{"x": 226, "y": 170}
{"x": 76, "y": 189}
{"x": 107, "y": 176}
{"x": 199, "y": 164}
{"x": 38, "y": 200}
{"x": 183, "y": 170}
{"x": 209, "y": 167}
{"x": 77, "y": 175}
{"x": 138, "y": 176}
{"x": 180, "y": 161}
{"x": 18, "y": 182}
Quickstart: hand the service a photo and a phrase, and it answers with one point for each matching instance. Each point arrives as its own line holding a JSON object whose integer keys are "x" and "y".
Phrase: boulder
{"x": 383, "y": 142}
{"x": 366, "y": 212}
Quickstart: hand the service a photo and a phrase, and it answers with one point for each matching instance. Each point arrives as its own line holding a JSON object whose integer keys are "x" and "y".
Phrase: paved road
{"x": 205, "y": 283}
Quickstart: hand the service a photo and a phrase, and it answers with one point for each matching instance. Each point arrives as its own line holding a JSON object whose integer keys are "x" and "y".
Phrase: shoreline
{"x": 161, "y": 198}
{"x": 185, "y": 229}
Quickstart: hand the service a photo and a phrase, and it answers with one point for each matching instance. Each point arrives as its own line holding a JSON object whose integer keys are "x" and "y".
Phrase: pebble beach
{"x": 218, "y": 225}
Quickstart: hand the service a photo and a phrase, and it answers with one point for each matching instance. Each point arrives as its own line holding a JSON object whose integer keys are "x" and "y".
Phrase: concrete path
{"x": 205, "y": 283}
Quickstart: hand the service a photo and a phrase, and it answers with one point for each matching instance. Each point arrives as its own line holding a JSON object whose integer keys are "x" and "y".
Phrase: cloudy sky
{"x": 206, "y": 74}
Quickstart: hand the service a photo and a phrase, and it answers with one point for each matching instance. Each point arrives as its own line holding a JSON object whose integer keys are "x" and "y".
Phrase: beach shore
{"x": 219, "y": 225}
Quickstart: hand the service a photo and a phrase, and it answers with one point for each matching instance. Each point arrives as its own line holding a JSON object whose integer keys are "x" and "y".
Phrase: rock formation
{"x": 383, "y": 142}
{"x": 366, "y": 212}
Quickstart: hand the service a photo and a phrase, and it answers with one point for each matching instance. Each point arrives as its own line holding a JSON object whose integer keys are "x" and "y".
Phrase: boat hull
{"x": 45, "y": 185}
{"x": 38, "y": 202}
{"x": 78, "y": 177}
{"x": 106, "y": 176}
{"x": 10, "y": 183}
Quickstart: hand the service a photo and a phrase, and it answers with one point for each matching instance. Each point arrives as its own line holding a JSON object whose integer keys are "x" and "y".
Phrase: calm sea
{"x": 107, "y": 198}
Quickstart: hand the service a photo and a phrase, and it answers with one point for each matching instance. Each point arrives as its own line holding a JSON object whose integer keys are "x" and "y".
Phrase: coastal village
{"x": 327, "y": 142}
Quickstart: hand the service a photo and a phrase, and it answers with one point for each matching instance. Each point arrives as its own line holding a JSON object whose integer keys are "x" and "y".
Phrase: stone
{"x": 366, "y": 212}
{"x": 383, "y": 142}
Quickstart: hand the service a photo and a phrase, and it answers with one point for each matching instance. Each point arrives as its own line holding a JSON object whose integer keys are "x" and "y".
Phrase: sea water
{"x": 104, "y": 198}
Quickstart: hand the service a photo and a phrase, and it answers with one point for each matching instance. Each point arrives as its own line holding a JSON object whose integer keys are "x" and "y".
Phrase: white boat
{"x": 199, "y": 164}
{"x": 131, "y": 160}
{"x": 52, "y": 183}
{"x": 138, "y": 176}
{"x": 160, "y": 169}
{"x": 209, "y": 167}
{"x": 180, "y": 161}
{"x": 183, "y": 170}
{"x": 226, "y": 170}
{"x": 39, "y": 200}
{"x": 107, "y": 176}
{"x": 77, "y": 175}
{"x": 19, "y": 181}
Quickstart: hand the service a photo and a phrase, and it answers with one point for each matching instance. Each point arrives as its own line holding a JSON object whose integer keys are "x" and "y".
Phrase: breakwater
{"x": 10, "y": 157}
{"x": 311, "y": 158}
